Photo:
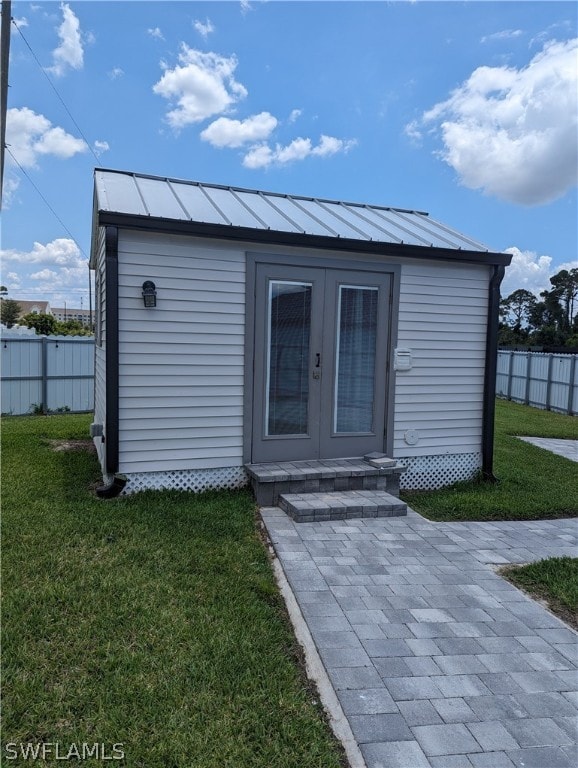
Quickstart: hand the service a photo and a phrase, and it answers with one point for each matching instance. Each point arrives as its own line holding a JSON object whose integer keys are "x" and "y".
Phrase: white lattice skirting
{"x": 196, "y": 480}
{"x": 425, "y": 473}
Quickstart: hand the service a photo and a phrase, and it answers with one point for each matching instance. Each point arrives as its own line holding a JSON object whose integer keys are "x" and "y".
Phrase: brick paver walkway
{"x": 438, "y": 662}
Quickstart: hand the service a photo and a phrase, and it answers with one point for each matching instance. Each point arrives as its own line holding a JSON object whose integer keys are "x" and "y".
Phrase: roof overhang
{"x": 295, "y": 239}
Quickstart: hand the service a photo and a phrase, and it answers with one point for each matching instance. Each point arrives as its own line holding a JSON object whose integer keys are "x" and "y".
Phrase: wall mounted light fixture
{"x": 149, "y": 293}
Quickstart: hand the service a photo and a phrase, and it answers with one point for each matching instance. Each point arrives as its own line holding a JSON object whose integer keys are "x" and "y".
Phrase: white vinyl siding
{"x": 181, "y": 363}
{"x": 442, "y": 319}
{"x": 100, "y": 347}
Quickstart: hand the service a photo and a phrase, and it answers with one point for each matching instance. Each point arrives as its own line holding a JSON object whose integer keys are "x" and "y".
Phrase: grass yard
{"x": 554, "y": 580}
{"x": 533, "y": 483}
{"x": 152, "y": 621}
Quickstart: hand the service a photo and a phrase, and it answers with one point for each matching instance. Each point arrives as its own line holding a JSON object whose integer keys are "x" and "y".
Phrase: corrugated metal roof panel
{"x": 114, "y": 187}
{"x": 327, "y": 214}
{"x": 265, "y": 207}
{"x": 464, "y": 242}
{"x": 196, "y": 203}
{"x": 159, "y": 199}
{"x": 374, "y": 222}
{"x": 393, "y": 222}
{"x": 174, "y": 199}
{"x": 233, "y": 211}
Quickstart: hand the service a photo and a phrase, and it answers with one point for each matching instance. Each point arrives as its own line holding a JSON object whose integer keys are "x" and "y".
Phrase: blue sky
{"x": 465, "y": 110}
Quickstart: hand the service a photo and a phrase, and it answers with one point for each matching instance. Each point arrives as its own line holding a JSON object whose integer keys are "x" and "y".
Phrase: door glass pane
{"x": 288, "y": 358}
{"x": 355, "y": 364}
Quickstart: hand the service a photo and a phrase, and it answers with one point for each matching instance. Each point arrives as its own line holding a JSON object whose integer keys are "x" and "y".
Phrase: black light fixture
{"x": 149, "y": 293}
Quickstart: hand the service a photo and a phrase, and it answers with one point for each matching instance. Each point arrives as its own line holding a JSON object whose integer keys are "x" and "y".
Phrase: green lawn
{"x": 533, "y": 483}
{"x": 554, "y": 580}
{"x": 152, "y": 621}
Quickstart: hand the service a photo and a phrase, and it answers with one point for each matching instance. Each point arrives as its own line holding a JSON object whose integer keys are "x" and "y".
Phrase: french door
{"x": 321, "y": 340}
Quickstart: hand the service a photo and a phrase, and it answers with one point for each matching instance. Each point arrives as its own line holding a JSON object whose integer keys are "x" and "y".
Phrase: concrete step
{"x": 269, "y": 481}
{"x": 341, "y": 505}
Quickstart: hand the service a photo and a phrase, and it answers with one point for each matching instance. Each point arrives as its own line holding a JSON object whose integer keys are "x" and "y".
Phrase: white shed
{"x": 238, "y": 327}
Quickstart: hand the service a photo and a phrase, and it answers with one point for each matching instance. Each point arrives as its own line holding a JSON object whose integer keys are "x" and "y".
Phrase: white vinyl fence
{"x": 47, "y": 373}
{"x": 544, "y": 380}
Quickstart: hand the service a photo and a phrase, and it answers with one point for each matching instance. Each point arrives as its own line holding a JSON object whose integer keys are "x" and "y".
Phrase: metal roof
{"x": 139, "y": 195}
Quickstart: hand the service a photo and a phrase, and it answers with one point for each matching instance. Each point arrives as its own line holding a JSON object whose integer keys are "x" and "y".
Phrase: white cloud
{"x": 246, "y": 6}
{"x": 62, "y": 252}
{"x": 512, "y": 132}
{"x": 156, "y": 32}
{"x": 12, "y": 281}
{"x": 298, "y": 149}
{"x": 201, "y": 86}
{"x": 20, "y": 23}
{"x": 56, "y": 271}
{"x": 329, "y": 145}
{"x": 64, "y": 285}
{"x": 262, "y": 156}
{"x": 204, "y": 29}
{"x": 70, "y": 53}
{"x": 530, "y": 271}
{"x": 295, "y": 114}
{"x": 101, "y": 146}
{"x": 550, "y": 32}
{"x": 225, "y": 132}
{"x": 115, "y": 73}
{"x": 30, "y": 135}
{"x": 505, "y": 34}
{"x": 259, "y": 157}
{"x": 11, "y": 184}
{"x": 44, "y": 274}
{"x": 56, "y": 141}
{"x": 413, "y": 132}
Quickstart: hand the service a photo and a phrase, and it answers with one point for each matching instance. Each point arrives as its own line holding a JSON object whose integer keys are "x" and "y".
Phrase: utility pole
{"x": 4, "y": 58}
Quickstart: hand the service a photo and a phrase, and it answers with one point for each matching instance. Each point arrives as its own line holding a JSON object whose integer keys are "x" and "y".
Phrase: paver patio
{"x": 437, "y": 661}
{"x": 566, "y": 448}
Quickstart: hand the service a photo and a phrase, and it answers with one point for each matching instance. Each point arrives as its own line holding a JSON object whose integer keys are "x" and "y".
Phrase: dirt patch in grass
{"x": 71, "y": 445}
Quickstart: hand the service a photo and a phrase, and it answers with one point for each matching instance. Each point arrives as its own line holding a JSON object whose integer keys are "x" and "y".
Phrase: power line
{"x": 46, "y": 201}
{"x": 56, "y": 92}
{"x": 65, "y": 290}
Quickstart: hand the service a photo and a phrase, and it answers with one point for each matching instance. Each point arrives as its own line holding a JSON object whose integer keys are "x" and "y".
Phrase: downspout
{"x": 112, "y": 489}
{"x": 112, "y": 368}
{"x": 489, "y": 408}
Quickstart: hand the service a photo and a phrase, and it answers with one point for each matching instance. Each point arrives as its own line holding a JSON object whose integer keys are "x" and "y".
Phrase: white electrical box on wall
{"x": 402, "y": 359}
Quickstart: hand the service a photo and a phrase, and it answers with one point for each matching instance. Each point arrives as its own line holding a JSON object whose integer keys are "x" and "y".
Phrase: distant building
{"x": 34, "y": 308}
{"x": 71, "y": 313}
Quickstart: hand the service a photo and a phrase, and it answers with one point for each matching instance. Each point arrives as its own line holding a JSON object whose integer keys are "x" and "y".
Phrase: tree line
{"x": 550, "y": 320}
{"x": 44, "y": 325}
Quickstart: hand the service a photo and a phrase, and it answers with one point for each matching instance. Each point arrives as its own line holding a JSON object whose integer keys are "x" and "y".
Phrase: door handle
{"x": 317, "y": 359}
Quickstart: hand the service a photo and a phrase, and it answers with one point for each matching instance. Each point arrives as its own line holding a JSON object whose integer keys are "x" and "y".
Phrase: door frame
{"x": 336, "y": 261}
